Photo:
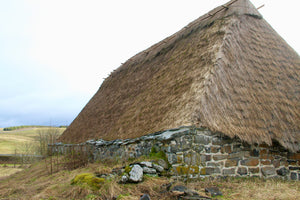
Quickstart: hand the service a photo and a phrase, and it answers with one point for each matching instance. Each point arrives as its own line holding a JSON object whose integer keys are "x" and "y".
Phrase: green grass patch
{"x": 88, "y": 179}
{"x": 123, "y": 196}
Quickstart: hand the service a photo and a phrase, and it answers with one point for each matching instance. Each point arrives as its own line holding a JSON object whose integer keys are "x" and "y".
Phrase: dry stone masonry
{"x": 198, "y": 152}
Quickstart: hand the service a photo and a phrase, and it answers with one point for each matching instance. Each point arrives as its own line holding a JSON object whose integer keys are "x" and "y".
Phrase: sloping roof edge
{"x": 233, "y": 7}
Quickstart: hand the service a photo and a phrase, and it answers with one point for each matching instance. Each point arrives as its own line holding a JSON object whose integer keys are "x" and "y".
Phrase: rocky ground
{"x": 133, "y": 180}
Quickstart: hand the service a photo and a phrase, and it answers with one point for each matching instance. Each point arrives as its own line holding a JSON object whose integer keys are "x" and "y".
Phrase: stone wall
{"x": 200, "y": 153}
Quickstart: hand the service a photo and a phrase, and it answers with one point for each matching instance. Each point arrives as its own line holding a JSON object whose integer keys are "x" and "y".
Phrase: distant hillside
{"x": 18, "y": 138}
{"x": 13, "y": 128}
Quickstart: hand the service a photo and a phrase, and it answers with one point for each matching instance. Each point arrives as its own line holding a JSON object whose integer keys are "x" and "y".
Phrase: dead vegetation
{"x": 35, "y": 182}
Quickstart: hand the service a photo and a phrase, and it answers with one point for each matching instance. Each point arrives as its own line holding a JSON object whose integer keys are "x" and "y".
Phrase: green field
{"x": 12, "y": 140}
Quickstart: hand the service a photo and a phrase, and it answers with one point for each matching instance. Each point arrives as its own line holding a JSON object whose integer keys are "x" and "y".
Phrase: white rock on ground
{"x": 124, "y": 179}
{"x": 136, "y": 174}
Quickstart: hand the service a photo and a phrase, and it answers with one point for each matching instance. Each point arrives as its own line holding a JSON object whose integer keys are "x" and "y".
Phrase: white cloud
{"x": 85, "y": 40}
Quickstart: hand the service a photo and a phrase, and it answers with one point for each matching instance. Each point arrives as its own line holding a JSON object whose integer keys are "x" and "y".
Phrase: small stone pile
{"x": 134, "y": 172}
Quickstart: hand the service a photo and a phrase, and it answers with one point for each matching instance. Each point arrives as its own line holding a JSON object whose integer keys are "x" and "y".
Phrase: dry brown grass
{"x": 253, "y": 188}
{"x": 8, "y": 170}
{"x": 36, "y": 183}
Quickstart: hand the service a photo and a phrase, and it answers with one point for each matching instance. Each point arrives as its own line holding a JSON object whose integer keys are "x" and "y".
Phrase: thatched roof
{"x": 228, "y": 71}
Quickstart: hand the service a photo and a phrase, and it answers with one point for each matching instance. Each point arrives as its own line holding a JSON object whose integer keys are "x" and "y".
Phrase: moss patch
{"x": 154, "y": 154}
{"x": 128, "y": 169}
{"x": 203, "y": 171}
{"x": 184, "y": 170}
{"x": 89, "y": 179}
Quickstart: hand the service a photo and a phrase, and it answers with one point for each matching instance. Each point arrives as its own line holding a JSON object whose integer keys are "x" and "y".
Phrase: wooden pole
{"x": 260, "y": 6}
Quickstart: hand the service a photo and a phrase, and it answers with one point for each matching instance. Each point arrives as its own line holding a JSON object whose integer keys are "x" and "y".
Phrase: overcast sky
{"x": 54, "y": 54}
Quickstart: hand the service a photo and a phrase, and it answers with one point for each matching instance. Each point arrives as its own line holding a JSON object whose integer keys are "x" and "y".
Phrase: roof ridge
{"x": 241, "y": 7}
{"x": 233, "y": 7}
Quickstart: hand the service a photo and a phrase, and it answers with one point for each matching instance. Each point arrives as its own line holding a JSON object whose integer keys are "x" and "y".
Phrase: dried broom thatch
{"x": 228, "y": 71}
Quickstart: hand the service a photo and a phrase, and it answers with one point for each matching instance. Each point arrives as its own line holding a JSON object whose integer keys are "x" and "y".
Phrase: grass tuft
{"x": 89, "y": 179}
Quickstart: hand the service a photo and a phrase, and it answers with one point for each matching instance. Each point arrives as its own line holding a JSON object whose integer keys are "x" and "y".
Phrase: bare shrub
{"x": 45, "y": 137}
{"x": 68, "y": 158}
{"x": 25, "y": 153}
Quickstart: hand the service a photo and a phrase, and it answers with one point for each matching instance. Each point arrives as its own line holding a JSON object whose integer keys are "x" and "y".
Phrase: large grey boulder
{"x": 136, "y": 174}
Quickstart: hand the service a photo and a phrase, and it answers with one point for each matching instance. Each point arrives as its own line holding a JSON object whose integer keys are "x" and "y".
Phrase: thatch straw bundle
{"x": 228, "y": 71}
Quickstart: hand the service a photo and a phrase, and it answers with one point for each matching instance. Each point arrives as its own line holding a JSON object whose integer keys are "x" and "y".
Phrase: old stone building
{"x": 229, "y": 74}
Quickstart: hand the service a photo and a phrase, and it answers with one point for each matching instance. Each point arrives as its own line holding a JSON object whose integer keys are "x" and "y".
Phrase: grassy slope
{"x": 9, "y": 140}
{"x": 8, "y": 170}
{"x": 36, "y": 183}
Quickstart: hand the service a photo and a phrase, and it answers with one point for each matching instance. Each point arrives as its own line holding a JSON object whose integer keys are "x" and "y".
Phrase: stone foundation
{"x": 200, "y": 153}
